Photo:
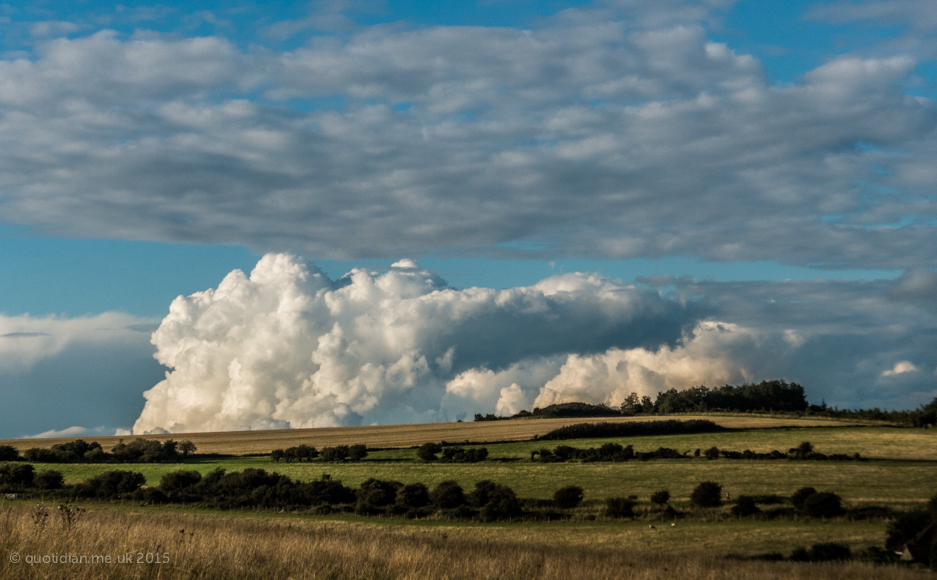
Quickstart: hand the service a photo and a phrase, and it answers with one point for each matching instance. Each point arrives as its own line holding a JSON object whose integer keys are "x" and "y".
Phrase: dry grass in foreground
{"x": 207, "y": 546}
{"x": 398, "y": 436}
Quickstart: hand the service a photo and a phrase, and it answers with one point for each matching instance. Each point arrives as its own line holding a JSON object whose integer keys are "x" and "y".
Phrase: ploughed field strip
{"x": 403, "y": 436}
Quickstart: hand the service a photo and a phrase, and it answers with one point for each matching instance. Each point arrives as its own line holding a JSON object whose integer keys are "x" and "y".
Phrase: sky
{"x": 242, "y": 215}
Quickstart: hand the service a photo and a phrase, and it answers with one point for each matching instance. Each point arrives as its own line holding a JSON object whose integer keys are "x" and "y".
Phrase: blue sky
{"x": 727, "y": 155}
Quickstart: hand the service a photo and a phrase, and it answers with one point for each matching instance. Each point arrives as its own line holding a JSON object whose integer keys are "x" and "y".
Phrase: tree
{"x": 187, "y": 447}
{"x": 9, "y": 453}
{"x": 568, "y": 497}
{"x": 707, "y": 494}
{"x": 631, "y": 405}
{"x": 712, "y": 453}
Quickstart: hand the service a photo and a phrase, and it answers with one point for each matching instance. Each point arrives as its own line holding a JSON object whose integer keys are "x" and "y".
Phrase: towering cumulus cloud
{"x": 287, "y": 347}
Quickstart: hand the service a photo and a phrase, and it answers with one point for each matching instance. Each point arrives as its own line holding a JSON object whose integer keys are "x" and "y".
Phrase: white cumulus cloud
{"x": 287, "y": 347}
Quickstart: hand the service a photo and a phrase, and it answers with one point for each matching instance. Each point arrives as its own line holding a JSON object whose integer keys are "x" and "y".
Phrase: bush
{"x": 447, "y": 495}
{"x": 427, "y": 452}
{"x": 357, "y": 452}
{"x": 375, "y": 494}
{"x": 801, "y": 495}
{"x": 413, "y": 496}
{"x": 660, "y": 497}
{"x": 745, "y": 506}
{"x": 179, "y": 481}
{"x": 823, "y": 505}
{"x": 9, "y": 453}
{"x": 17, "y": 475}
{"x": 619, "y": 507}
{"x": 707, "y": 494}
{"x": 568, "y": 497}
{"x": 712, "y": 453}
{"x": 49, "y": 479}
{"x": 497, "y": 502}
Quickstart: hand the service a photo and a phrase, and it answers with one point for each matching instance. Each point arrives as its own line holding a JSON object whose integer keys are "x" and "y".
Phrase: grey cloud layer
{"x": 62, "y": 372}
{"x": 618, "y": 132}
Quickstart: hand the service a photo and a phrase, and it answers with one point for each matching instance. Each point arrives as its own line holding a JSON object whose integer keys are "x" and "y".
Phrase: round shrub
{"x": 823, "y": 505}
{"x": 413, "y": 495}
{"x": 568, "y": 497}
{"x": 428, "y": 451}
{"x": 660, "y": 497}
{"x": 801, "y": 495}
{"x": 745, "y": 506}
{"x": 447, "y": 495}
{"x": 619, "y": 507}
{"x": 707, "y": 494}
{"x": 712, "y": 453}
{"x": 497, "y": 502}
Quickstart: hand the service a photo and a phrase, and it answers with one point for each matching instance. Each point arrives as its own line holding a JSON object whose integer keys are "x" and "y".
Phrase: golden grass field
{"x": 398, "y": 436}
{"x": 231, "y": 547}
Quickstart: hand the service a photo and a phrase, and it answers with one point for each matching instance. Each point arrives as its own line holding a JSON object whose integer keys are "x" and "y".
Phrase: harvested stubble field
{"x": 401, "y": 436}
{"x": 230, "y": 546}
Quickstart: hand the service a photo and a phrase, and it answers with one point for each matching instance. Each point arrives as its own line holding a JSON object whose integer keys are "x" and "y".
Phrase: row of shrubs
{"x": 453, "y": 454}
{"x": 80, "y": 451}
{"x": 618, "y": 452}
{"x": 308, "y": 453}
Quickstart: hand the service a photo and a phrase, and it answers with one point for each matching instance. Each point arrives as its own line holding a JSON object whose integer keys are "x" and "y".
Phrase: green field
{"x": 901, "y": 470}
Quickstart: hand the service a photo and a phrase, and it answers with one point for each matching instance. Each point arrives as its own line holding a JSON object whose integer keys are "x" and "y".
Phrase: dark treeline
{"x": 767, "y": 396}
{"x": 80, "y": 451}
{"x": 637, "y": 429}
{"x": 615, "y": 452}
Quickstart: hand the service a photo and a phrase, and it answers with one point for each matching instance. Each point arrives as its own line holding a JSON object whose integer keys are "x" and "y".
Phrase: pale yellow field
{"x": 236, "y": 546}
{"x": 398, "y": 436}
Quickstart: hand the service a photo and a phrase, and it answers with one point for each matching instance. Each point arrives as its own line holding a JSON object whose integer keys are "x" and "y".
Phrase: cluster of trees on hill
{"x": 80, "y": 451}
{"x": 308, "y": 453}
{"x": 776, "y": 396}
{"x": 766, "y": 396}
